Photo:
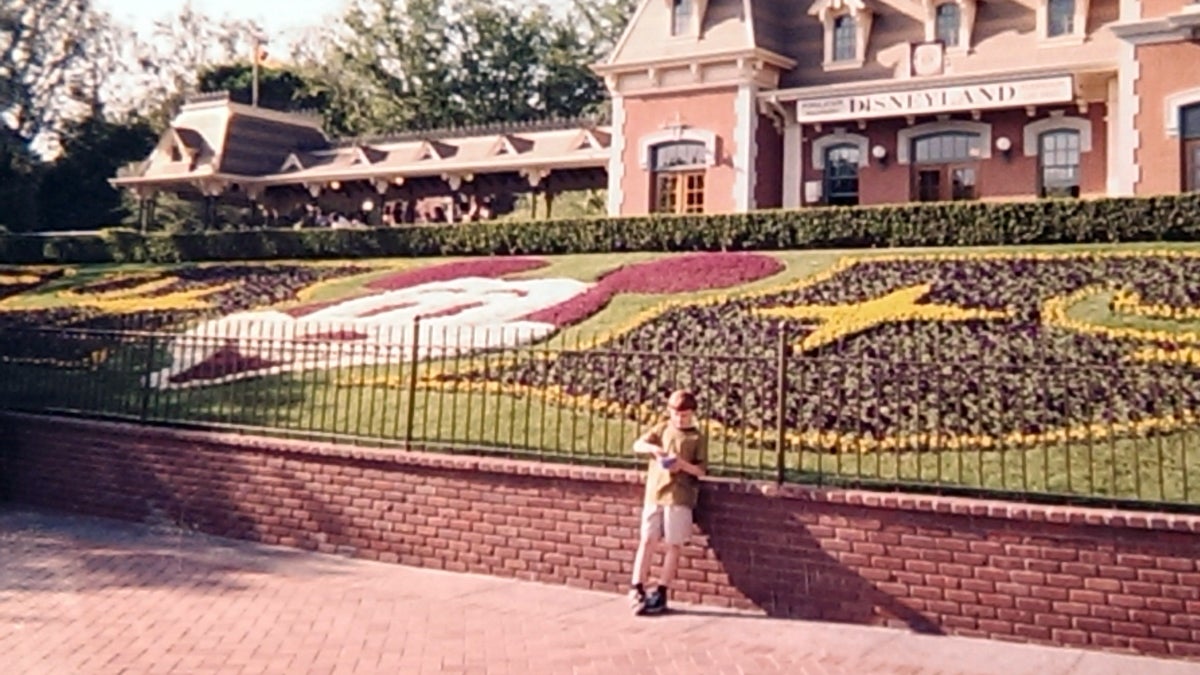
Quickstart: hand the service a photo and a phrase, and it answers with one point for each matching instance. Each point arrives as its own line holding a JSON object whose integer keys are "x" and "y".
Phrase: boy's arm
{"x": 698, "y": 465}
{"x": 649, "y": 443}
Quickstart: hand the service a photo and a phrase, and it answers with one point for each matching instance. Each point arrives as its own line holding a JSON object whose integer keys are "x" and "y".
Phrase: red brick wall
{"x": 1102, "y": 578}
{"x": 768, "y": 165}
{"x": 999, "y": 178}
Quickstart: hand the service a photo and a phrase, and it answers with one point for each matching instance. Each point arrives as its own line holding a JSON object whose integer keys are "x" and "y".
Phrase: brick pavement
{"x": 92, "y": 596}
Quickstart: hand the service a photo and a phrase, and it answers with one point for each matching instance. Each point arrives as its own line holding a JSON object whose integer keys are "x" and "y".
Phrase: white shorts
{"x": 672, "y": 523}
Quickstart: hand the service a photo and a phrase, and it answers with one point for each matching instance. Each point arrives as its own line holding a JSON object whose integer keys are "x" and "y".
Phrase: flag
{"x": 262, "y": 58}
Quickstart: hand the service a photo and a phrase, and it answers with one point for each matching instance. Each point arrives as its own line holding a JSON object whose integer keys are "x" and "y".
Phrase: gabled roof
{"x": 432, "y": 149}
{"x": 474, "y": 154}
{"x": 365, "y": 154}
{"x": 588, "y": 139}
{"x": 252, "y": 146}
{"x": 725, "y": 26}
{"x": 189, "y": 139}
{"x": 219, "y": 136}
{"x": 509, "y": 144}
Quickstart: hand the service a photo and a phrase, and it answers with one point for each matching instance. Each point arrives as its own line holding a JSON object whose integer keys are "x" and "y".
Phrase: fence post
{"x": 780, "y": 405}
{"x": 146, "y": 377}
{"x": 412, "y": 383}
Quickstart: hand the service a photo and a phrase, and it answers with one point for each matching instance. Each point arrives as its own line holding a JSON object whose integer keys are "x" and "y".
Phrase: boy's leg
{"x": 670, "y": 564}
{"x": 651, "y": 534}
{"x": 677, "y": 529}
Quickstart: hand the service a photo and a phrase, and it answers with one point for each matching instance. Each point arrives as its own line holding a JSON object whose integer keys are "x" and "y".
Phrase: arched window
{"x": 845, "y": 47}
{"x": 1060, "y": 17}
{"x": 681, "y": 17}
{"x": 950, "y": 146}
{"x": 841, "y": 174}
{"x": 948, "y": 22}
{"x": 1058, "y": 163}
{"x": 678, "y": 170}
{"x": 945, "y": 166}
{"x": 1189, "y": 131}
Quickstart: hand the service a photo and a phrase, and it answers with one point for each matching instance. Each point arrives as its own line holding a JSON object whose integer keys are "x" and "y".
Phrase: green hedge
{"x": 1169, "y": 218}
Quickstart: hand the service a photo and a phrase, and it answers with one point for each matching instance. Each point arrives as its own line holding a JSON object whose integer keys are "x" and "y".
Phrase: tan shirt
{"x": 675, "y": 489}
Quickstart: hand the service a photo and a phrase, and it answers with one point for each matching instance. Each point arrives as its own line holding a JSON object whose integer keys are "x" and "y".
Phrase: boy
{"x": 678, "y": 451}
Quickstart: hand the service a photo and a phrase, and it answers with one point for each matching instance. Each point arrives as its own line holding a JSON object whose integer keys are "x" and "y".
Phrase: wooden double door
{"x": 1191, "y": 165}
{"x": 945, "y": 166}
{"x": 945, "y": 182}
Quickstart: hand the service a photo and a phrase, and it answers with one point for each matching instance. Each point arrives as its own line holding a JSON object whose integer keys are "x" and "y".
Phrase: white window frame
{"x": 695, "y": 21}
{"x": 1173, "y": 105}
{"x": 708, "y": 138}
{"x": 904, "y": 137}
{"x": 840, "y": 137}
{"x": 1082, "y": 8}
{"x": 966, "y": 27}
{"x": 828, "y": 11}
{"x": 1034, "y": 130}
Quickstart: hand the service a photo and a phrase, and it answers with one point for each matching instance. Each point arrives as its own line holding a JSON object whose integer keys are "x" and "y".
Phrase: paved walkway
{"x": 92, "y": 596}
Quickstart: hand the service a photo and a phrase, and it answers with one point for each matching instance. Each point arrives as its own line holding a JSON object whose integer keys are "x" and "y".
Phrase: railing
{"x": 952, "y": 426}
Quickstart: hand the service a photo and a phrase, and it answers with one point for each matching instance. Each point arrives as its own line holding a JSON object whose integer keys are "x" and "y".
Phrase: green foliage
{"x": 421, "y": 64}
{"x": 1167, "y": 218}
{"x": 278, "y": 88}
{"x": 20, "y": 172}
{"x": 74, "y": 192}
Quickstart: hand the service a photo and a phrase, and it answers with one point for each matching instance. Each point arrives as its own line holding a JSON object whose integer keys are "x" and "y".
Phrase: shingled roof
{"x": 215, "y": 138}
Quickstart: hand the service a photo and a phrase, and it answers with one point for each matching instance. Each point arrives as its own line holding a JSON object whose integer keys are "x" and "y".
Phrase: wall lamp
{"x": 1004, "y": 145}
{"x": 879, "y": 153}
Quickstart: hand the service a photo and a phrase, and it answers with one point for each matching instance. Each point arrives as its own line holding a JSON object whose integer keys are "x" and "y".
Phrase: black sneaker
{"x": 637, "y": 599}
{"x": 656, "y": 603}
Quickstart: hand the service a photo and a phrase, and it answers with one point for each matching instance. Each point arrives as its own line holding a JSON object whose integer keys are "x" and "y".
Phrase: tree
{"x": 19, "y": 174}
{"x": 393, "y": 68}
{"x": 74, "y": 191}
{"x": 418, "y": 64}
{"x": 40, "y": 42}
{"x": 602, "y": 22}
{"x": 278, "y": 88}
{"x": 181, "y": 48}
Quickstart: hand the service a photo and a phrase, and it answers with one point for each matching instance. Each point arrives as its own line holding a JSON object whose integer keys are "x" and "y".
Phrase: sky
{"x": 281, "y": 19}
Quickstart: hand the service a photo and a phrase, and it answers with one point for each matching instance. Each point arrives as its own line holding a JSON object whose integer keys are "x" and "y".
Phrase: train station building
{"x": 725, "y": 106}
{"x": 732, "y": 105}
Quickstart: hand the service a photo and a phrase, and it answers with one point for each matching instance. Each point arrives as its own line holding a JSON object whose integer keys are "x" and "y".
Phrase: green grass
{"x": 349, "y": 403}
{"x": 1094, "y": 309}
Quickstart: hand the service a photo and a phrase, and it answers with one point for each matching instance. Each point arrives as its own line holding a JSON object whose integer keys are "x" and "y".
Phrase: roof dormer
{"x": 686, "y": 17}
{"x": 509, "y": 144}
{"x": 847, "y": 30}
{"x": 1062, "y": 22}
{"x": 951, "y": 22}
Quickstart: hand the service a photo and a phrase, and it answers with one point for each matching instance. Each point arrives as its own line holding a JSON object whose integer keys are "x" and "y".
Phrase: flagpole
{"x": 254, "y": 73}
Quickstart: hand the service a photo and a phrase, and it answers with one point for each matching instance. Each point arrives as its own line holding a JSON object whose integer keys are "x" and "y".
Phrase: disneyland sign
{"x": 990, "y": 95}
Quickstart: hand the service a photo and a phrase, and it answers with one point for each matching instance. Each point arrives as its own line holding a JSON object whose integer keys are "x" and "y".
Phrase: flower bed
{"x": 458, "y": 307}
{"x": 150, "y": 301}
{"x": 679, "y": 274}
{"x": 976, "y": 351}
{"x": 493, "y": 268}
{"x": 17, "y": 280}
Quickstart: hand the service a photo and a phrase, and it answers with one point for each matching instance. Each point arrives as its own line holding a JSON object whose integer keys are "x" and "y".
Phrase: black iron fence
{"x": 1126, "y": 431}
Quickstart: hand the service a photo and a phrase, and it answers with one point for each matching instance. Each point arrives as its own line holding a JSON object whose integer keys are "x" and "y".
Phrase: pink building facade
{"x": 733, "y": 105}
